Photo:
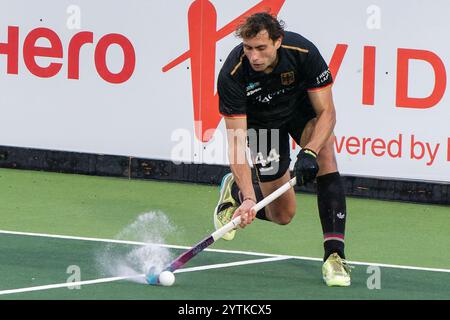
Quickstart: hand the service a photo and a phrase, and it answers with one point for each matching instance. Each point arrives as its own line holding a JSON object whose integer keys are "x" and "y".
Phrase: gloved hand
{"x": 306, "y": 166}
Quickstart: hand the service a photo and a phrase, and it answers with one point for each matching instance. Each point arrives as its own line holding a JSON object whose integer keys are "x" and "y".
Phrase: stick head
{"x": 152, "y": 276}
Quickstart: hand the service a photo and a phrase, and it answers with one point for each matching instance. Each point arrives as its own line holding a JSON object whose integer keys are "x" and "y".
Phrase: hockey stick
{"x": 153, "y": 278}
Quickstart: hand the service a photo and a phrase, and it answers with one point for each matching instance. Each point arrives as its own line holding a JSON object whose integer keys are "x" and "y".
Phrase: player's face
{"x": 261, "y": 51}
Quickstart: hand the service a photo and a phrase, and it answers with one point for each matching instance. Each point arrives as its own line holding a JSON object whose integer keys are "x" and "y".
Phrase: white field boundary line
{"x": 138, "y": 276}
{"x": 219, "y": 250}
{"x": 231, "y": 264}
{"x": 66, "y": 284}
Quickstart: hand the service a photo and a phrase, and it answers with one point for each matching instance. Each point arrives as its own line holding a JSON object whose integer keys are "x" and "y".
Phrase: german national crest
{"x": 287, "y": 78}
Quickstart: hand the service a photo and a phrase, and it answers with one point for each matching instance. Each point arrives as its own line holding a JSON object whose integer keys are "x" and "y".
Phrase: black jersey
{"x": 269, "y": 100}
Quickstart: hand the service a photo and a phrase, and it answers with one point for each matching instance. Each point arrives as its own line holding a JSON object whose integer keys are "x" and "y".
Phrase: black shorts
{"x": 270, "y": 149}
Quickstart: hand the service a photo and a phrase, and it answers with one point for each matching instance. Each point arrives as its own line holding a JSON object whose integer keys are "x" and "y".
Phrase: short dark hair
{"x": 258, "y": 22}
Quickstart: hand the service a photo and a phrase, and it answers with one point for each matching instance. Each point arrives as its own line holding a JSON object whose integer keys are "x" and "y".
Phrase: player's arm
{"x": 306, "y": 166}
{"x": 318, "y": 82}
{"x": 237, "y": 146}
{"x": 322, "y": 102}
{"x": 232, "y": 105}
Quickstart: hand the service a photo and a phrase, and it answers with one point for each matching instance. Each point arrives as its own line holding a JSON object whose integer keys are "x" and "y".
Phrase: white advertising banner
{"x": 138, "y": 78}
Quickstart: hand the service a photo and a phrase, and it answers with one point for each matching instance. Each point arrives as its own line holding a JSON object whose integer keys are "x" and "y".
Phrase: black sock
{"x": 237, "y": 196}
{"x": 332, "y": 211}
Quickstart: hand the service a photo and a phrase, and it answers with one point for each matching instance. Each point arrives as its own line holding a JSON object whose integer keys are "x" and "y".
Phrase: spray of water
{"x": 131, "y": 261}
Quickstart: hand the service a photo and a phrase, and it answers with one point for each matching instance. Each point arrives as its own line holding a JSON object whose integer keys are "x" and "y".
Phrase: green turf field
{"x": 410, "y": 241}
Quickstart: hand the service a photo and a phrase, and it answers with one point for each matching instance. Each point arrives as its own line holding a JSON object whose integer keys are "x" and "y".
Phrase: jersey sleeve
{"x": 232, "y": 99}
{"x": 318, "y": 75}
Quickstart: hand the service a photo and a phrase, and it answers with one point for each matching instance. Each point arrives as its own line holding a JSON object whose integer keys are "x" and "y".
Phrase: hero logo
{"x": 203, "y": 36}
{"x": 31, "y": 51}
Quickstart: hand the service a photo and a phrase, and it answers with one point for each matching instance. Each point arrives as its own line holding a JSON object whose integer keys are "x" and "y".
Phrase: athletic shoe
{"x": 226, "y": 206}
{"x": 336, "y": 271}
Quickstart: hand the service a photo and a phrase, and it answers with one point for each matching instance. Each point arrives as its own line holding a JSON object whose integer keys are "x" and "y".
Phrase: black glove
{"x": 306, "y": 166}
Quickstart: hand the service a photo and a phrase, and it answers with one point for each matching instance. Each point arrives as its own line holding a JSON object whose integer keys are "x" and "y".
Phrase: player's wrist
{"x": 310, "y": 152}
{"x": 249, "y": 198}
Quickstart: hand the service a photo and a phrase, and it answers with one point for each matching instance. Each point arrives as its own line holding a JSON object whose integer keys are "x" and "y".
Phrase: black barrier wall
{"x": 137, "y": 168}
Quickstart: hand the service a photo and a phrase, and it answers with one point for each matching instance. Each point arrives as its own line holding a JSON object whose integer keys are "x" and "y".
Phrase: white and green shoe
{"x": 226, "y": 206}
{"x": 336, "y": 271}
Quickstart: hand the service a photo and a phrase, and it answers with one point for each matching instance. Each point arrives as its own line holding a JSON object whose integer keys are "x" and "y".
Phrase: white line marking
{"x": 230, "y": 264}
{"x": 219, "y": 250}
{"x": 112, "y": 279}
{"x": 65, "y": 284}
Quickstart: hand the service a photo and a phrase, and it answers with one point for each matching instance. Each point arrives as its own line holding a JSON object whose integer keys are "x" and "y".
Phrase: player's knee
{"x": 285, "y": 217}
{"x": 327, "y": 158}
{"x": 307, "y": 132}
{"x": 327, "y": 152}
{"x": 284, "y": 220}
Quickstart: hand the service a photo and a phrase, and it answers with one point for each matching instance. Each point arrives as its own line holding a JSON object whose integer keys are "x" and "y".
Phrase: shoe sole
{"x": 217, "y": 224}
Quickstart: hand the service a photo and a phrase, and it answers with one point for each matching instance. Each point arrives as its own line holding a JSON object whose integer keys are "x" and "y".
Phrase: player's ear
{"x": 278, "y": 42}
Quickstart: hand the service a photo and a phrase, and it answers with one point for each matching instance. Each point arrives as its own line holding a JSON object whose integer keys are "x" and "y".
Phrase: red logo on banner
{"x": 203, "y": 36}
{"x": 31, "y": 51}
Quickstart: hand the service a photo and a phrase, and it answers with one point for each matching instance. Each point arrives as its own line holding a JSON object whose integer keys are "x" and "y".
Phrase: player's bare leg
{"x": 281, "y": 210}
